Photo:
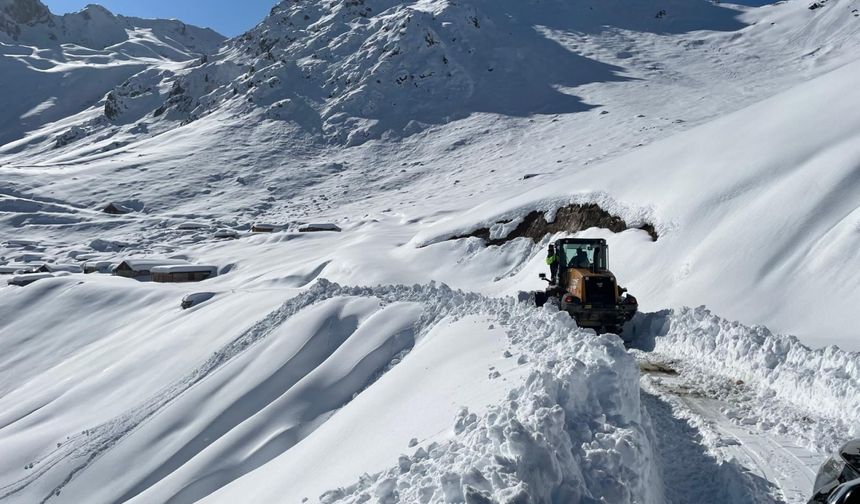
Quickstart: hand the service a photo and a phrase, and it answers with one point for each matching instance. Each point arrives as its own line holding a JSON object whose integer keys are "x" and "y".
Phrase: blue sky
{"x": 228, "y": 17}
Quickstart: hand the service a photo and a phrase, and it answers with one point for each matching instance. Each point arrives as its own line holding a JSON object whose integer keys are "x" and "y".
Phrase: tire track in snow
{"x": 690, "y": 473}
{"x": 760, "y": 456}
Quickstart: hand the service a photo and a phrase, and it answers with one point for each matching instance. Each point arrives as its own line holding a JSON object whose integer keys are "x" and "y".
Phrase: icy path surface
{"x": 729, "y": 409}
{"x": 706, "y": 454}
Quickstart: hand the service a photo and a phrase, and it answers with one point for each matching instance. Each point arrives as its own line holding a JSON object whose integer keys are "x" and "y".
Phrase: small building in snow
{"x": 137, "y": 268}
{"x": 314, "y": 228}
{"x": 27, "y": 279}
{"x": 191, "y": 226}
{"x": 85, "y": 257}
{"x": 226, "y": 234}
{"x": 114, "y": 208}
{"x": 55, "y": 268}
{"x": 183, "y": 273}
{"x": 17, "y": 269}
{"x": 260, "y": 227}
{"x": 98, "y": 266}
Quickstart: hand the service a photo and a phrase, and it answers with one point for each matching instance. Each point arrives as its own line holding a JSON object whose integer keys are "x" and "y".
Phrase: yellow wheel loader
{"x": 585, "y": 288}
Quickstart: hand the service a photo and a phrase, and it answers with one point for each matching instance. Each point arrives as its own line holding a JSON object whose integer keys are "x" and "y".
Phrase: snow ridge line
{"x": 440, "y": 301}
{"x": 485, "y": 216}
{"x": 777, "y": 366}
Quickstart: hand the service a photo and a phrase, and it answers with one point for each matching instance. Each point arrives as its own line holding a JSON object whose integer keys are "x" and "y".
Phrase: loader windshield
{"x": 582, "y": 255}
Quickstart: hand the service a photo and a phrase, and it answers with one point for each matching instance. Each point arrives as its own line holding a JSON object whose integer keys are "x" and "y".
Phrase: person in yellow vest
{"x": 552, "y": 262}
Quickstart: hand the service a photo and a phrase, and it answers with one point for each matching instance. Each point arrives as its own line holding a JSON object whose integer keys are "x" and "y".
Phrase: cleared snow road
{"x": 709, "y": 458}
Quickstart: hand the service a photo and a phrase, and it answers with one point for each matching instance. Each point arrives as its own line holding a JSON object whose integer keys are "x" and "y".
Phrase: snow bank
{"x": 821, "y": 382}
{"x": 572, "y": 430}
{"x": 564, "y": 421}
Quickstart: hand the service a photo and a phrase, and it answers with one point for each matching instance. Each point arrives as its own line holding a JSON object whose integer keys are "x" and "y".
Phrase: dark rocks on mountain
{"x": 112, "y": 106}
{"x": 570, "y": 219}
{"x": 73, "y": 134}
{"x": 25, "y": 11}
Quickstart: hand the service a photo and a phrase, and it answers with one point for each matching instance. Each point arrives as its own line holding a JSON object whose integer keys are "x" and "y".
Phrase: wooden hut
{"x": 139, "y": 268}
{"x": 227, "y": 234}
{"x": 183, "y": 273}
{"x": 260, "y": 227}
{"x": 114, "y": 208}
{"x": 56, "y": 268}
{"x": 98, "y": 266}
{"x": 316, "y": 228}
{"x": 27, "y": 279}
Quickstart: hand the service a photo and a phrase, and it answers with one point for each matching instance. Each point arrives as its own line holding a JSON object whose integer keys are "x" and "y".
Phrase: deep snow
{"x": 405, "y": 124}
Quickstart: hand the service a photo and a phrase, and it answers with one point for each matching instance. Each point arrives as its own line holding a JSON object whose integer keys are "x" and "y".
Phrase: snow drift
{"x": 404, "y": 124}
{"x": 552, "y": 414}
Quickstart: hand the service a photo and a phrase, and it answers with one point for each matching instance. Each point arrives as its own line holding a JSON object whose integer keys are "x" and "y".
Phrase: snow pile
{"x": 774, "y": 370}
{"x": 571, "y": 433}
{"x": 573, "y": 430}
{"x": 564, "y": 418}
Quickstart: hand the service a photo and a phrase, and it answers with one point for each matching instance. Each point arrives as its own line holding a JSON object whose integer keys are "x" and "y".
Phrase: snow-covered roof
{"x": 185, "y": 268}
{"x": 146, "y": 264}
{"x": 192, "y": 225}
{"x": 98, "y": 263}
{"x": 20, "y": 243}
{"x": 28, "y": 278}
{"x": 71, "y": 268}
{"x": 7, "y": 269}
{"x": 328, "y": 226}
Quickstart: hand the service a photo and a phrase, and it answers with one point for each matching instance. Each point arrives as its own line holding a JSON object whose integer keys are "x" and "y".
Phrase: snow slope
{"x": 757, "y": 211}
{"x": 407, "y": 124}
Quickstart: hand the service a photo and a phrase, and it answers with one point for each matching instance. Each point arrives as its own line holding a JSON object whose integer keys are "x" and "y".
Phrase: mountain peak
{"x": 97, "y": 10}
{"x": 94, "y": 26}
{"x": 16, "y": 12}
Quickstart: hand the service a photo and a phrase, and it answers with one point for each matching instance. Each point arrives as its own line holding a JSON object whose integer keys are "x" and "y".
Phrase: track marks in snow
{"x": 690, "y": 473}
{"x": 752, "y": 461}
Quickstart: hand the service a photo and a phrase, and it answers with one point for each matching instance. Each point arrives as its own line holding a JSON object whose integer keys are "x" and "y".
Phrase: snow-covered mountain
{"x": 55, "y": 67}
{"x": 396, "y": 361}
{"x": 30, "y": 22}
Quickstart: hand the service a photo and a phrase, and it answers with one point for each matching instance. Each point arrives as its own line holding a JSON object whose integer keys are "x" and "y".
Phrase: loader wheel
{"x": 540, "y": 298}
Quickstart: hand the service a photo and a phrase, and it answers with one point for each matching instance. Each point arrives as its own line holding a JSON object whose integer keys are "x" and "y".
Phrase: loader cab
{"x": 583, "y": 273}
{"x": 582, "y": 253}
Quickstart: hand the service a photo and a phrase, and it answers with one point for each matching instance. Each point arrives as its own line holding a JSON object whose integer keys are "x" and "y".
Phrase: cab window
{"x": 581, "y": 255}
